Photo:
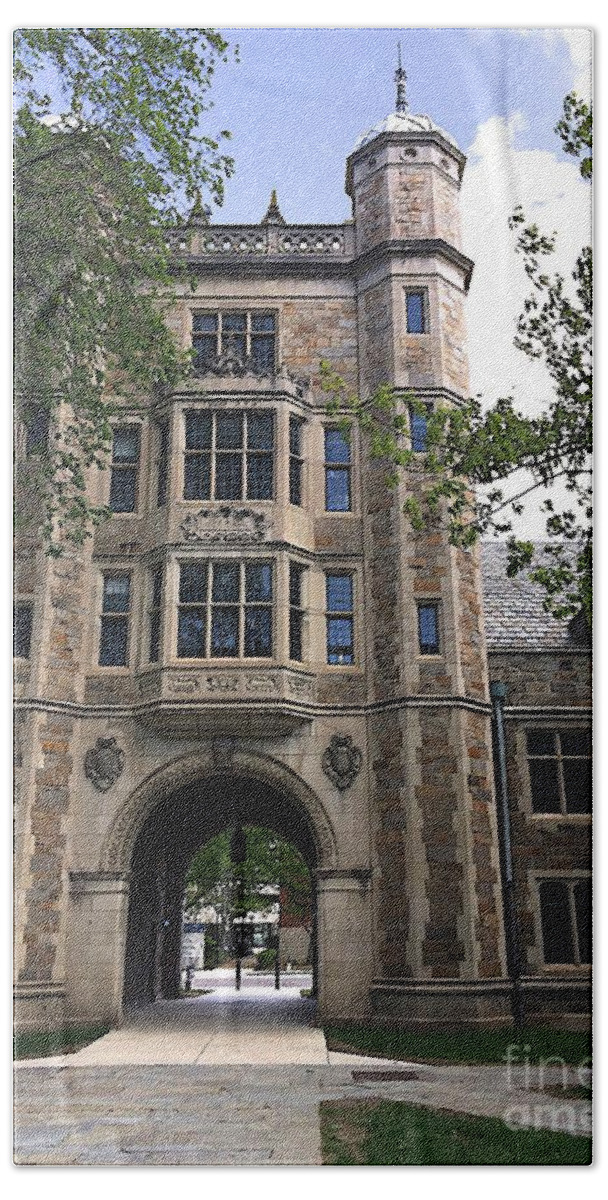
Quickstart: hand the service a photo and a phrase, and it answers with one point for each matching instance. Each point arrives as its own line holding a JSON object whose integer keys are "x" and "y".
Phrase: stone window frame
{"x": 300, "y": 610}
{"x": 137, "y": 465}
{"x": 436, "y": 603}
{"x": 412, "y": 417}
{"x": 162, "y": 460}
{"x": 215, "y": 408}
{"x": 535, "y": 877}
{"x": 219, "y": 312}
{"x": 155, "y": 608}
{"x": 350, "y": 468}
{"x": 20, "y": 603}
{"x": 416, "y": 290}
{"x": 108, "y": 570}
{"x": 521, "y": 751}
{"x": 209, "y": 558}
{"x": 352, "y": 574}
{"x": 297, "y": 461}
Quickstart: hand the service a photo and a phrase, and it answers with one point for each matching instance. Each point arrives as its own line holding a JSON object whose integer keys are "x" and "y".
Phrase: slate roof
{"x": 514, "y": 614}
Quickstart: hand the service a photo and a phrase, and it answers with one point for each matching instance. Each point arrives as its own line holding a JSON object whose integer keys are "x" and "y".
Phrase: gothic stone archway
{"x": 139, "y": 883}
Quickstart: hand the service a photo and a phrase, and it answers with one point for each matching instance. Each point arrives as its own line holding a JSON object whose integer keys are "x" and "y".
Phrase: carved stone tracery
{"x": 224, "y": 526}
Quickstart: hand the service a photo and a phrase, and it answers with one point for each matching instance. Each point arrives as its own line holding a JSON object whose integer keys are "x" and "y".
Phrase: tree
{"x": 270, "y": 862}
{"x": 472, "y": 446}
{"x": 99, "y": 192}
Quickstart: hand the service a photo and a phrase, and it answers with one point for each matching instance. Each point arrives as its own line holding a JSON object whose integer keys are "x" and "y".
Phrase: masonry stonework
{"x": 406, "y": 859}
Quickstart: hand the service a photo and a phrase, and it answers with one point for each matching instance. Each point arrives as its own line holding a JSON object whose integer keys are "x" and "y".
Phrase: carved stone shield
{"x": 342, "y": 761}
{"x": 103, "y": 763}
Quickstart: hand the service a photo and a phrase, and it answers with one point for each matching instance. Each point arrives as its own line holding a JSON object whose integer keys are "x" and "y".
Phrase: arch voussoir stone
{"x": 120, "y": 839}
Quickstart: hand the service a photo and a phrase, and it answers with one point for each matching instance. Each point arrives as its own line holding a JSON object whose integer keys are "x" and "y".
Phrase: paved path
{"x": 236, "y": 1079}
{"x": 256, "y": 1026}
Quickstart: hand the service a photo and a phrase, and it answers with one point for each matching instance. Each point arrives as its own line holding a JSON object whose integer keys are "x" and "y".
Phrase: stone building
{"x": 257, "y": 635}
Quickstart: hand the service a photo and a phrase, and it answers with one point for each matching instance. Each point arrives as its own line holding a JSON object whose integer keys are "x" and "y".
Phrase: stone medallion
{"x": 341, "y": 761}
{"x": 103, "y": 763}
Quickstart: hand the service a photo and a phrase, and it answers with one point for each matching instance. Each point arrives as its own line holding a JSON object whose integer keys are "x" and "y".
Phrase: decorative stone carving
{"x": 262, "y": 684}
{"x": 103, "y": 763}
{"x": 299, "y": 685}
{"x": 236, "y": 366}
{"x": 224, "y": 526}
{"x": 341, "y": 761}
{"x": 183, "y": 685}
{"x": 222, "y": 683}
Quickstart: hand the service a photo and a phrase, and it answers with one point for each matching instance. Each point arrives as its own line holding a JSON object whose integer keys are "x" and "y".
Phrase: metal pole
{"x": 498, "y": 692}
{"x": 277, "y": 961}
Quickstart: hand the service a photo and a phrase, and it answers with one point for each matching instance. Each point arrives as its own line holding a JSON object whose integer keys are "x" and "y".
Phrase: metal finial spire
{"x": 400, "y": 80}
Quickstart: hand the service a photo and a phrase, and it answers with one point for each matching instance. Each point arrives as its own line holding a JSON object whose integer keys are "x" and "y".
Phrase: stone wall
{"x": 557, "y": 685}
{"x": 544, "y": 678}
{"x": 319, "y": 329}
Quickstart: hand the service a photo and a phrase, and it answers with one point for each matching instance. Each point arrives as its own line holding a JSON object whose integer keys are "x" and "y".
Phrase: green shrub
{"x": 265, "y": 960}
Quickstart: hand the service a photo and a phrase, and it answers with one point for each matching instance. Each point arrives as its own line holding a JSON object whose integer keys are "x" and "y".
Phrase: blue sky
{"x": 299, "y": 98}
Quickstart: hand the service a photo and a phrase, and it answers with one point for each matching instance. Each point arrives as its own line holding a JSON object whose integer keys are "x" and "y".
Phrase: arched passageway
{"x": 173, "y": 831}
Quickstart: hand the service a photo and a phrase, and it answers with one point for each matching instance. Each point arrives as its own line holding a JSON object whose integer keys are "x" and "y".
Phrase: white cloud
{"x": 579, "y": 43}
{"x": 552, "y": 193}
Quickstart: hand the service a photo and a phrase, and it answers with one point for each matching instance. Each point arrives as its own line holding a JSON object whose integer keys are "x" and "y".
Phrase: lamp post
{"x": 238, "y": 854}
{"x": 276, "y": 847}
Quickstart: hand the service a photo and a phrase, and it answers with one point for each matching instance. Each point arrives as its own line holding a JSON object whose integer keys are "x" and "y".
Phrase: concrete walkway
{"x": 255, "y": 1026}
{"x": 236, "y": 1079}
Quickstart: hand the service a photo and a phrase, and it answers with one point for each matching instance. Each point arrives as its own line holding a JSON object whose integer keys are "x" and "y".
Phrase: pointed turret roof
{"x": 199, "y": 211}
{"x": 402, "y": 120}
{"x": 273, "y": 215}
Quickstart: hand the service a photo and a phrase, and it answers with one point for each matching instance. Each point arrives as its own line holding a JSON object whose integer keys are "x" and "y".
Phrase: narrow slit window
{"x": 419, "y": 428}
{"x": 337, "y": 471}
{"x": 37, "y": 431}
{"x": 428, "y": 628}
{"x": 22, "y": 630}
{"x": 296, "y": 610}
{"x": 124, "y": 471}
{"x": 296, "y": 460}
{"x": 162, "y": 463}
{"x": 415, "y": 307}
{"x": 192, "y": 610}
{"x": 114, "y": 640}
{"x": 155, "y": 612}
{"x": 340, "y": 619}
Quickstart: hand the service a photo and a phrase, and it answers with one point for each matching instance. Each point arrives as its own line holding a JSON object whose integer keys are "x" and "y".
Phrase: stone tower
{"x": 438, "y": 911}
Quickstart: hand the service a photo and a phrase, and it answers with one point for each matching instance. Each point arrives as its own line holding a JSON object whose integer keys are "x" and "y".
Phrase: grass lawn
{"x": 393, "y": 1134}
{"x": 43, "y": 1043}
{"x": 466, "y": 1046}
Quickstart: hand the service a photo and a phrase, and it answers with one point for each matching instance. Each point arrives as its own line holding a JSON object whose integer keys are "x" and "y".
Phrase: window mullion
{"x": 244, "y": 451}
{"x": 573, "y": 921}
{"x": 241, "y": 646}
{"x": 560, "y": 775}
{"x": 209, "y": 608}
{"x": 213, "y": 454}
